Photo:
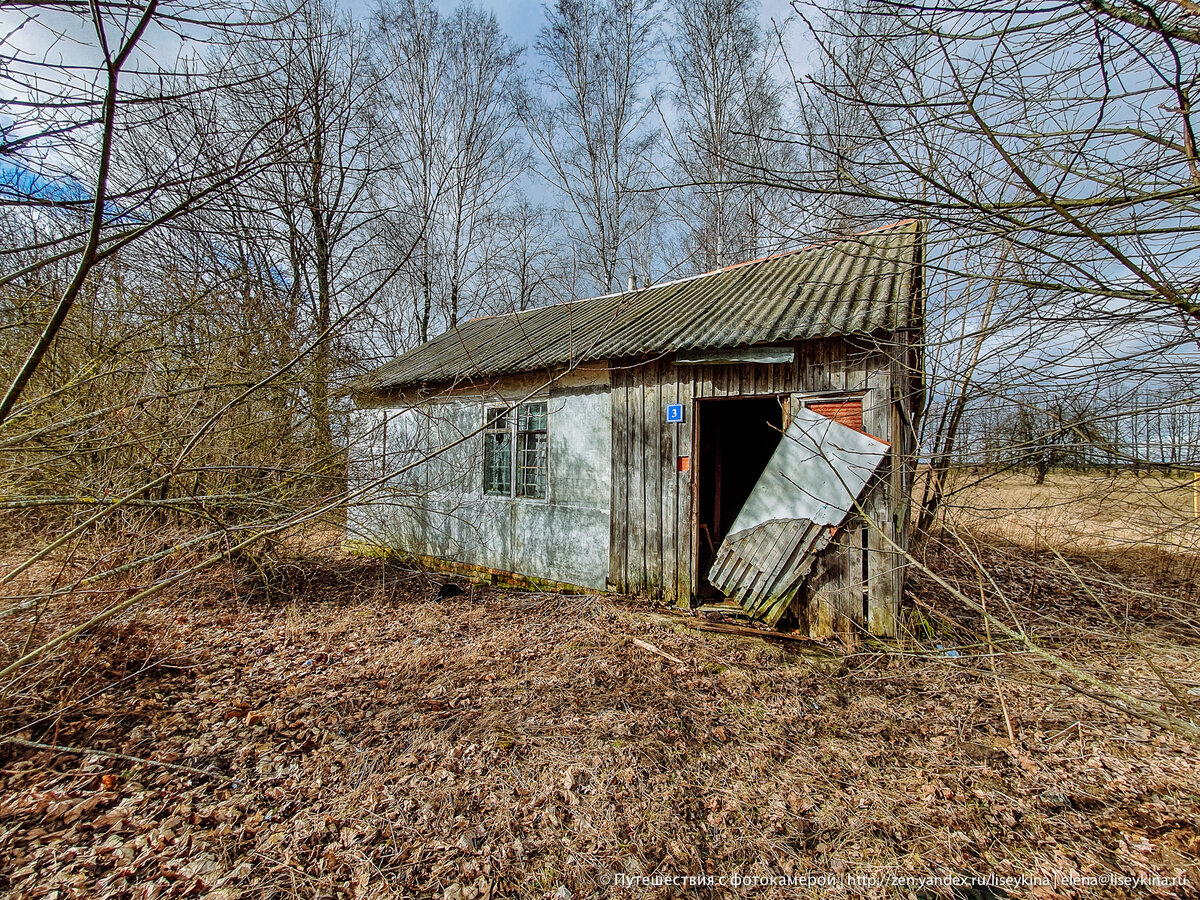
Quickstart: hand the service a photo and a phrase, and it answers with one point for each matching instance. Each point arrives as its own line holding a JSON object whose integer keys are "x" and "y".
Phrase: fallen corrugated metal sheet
{"x": 761, "y": 569}
{"x": 855, "y": 285}
{"x": 808, "y": 488}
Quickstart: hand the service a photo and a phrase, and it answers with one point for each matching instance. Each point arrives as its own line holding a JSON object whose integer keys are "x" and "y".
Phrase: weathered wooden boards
{"x": 653, "y": 549}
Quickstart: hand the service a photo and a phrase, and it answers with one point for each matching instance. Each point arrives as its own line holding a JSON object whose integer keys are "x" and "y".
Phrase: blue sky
{"x": 522, "y": 20}
{"x": 66, "y": 38}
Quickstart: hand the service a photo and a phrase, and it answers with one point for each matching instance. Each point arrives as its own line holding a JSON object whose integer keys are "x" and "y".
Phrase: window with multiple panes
{"x": 497, "y": 453}
{"x": 515, "y": 452}
{"x": 531, "y": 451}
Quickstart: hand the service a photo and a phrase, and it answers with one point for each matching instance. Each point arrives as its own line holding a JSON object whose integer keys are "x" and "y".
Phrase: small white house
{"x": 669, "y": 441}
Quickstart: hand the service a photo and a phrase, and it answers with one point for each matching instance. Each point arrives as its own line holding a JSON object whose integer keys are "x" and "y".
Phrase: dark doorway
{"x": 734, "y": 439}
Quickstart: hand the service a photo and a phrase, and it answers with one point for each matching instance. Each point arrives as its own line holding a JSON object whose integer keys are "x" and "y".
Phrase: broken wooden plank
{"x": 646, "y": 645}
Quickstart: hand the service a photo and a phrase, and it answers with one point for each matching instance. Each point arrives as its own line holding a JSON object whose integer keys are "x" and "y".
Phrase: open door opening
{"x": 735, "y": 439}
{"x": 805, "y": 494}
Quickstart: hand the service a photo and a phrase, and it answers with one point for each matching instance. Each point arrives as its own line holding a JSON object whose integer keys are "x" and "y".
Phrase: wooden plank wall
{"x": 653, "y": 545}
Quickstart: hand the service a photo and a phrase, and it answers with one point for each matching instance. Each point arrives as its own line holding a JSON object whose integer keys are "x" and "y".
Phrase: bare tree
{"x": 727, "y": 113}
{"x": 979, "y": 134}
{"x": 591, "y": 125}
{"x": 1060, "y": 199}
{"x": 1050, "y": 153}
{"x": 484, "y": 85}
{"x": 320, "y": 191}
{"x": 453, "y": 81}
{"x": 530, "y": 257}
{"x": 65, "y": 126}
{"x": 864, "y": 53}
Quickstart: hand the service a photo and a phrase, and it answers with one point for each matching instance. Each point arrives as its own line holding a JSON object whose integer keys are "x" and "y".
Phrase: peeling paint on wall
{"x": 438, "y": 509}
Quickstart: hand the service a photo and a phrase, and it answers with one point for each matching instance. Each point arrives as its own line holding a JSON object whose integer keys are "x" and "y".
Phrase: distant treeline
{"x": 1136, "y": 429}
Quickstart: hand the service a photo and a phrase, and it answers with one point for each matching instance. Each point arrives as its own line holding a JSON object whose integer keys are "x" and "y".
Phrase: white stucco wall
{"x": 438, "y": 508}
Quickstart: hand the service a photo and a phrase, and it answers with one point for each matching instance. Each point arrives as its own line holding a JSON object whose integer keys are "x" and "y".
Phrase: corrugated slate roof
{"x": 854, "y": 285}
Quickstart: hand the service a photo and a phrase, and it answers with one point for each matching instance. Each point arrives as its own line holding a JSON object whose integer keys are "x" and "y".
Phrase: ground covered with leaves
{"x": 334, "y": 729}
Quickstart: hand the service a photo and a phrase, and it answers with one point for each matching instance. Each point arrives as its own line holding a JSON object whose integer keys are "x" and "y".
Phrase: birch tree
{"x": 453, "y": 82}
{"x": 530, "y": 257}
{"x": 728, "y": 114}
{"x": 590, "y": 122}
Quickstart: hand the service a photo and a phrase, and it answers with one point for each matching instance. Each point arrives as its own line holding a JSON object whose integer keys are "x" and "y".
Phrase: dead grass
{"x": 1079, "y": 512}
{"x": 376, "y": 743}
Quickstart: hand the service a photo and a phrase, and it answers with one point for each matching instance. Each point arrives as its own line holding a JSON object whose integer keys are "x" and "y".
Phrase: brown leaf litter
{"x": 366, "y": 740}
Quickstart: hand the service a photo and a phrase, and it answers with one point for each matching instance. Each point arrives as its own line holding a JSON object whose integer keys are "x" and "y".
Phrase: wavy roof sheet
{"x": 854, "y": 285}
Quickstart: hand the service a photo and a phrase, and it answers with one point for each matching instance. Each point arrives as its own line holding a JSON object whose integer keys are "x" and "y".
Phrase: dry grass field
{"x": 1076, "y": 512}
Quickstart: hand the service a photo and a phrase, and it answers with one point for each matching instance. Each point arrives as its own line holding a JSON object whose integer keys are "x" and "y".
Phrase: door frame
{"x": 696, "y": 464}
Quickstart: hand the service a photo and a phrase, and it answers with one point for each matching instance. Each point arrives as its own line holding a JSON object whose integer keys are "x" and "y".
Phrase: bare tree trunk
{"x": 591, "y": 127}
{"x": 89, "y": 253}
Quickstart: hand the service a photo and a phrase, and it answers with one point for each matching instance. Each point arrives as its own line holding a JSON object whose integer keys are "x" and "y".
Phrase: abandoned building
{"x": 741, "y": 439}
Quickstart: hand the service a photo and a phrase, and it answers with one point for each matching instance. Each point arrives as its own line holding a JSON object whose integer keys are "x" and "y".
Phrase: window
{"x": 497, "y": 454}
{"x": 531, "y": 451}
{"x": 525, "y": 429}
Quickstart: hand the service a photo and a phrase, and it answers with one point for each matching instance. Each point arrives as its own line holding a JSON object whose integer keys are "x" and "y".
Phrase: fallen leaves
{"x": 380, "y": 745}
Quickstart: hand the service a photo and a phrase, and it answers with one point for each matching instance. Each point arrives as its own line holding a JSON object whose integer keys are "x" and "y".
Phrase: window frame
{"x": 497, "y": 424}
{"x": 508, "y": 421}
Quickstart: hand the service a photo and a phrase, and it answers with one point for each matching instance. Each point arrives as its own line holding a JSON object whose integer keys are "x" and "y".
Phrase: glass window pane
{"x": 497, "y": 463}
{"x": 497, "y": 419}
{"x": 531, "y": 464}
{"x": 532, "y": 417}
